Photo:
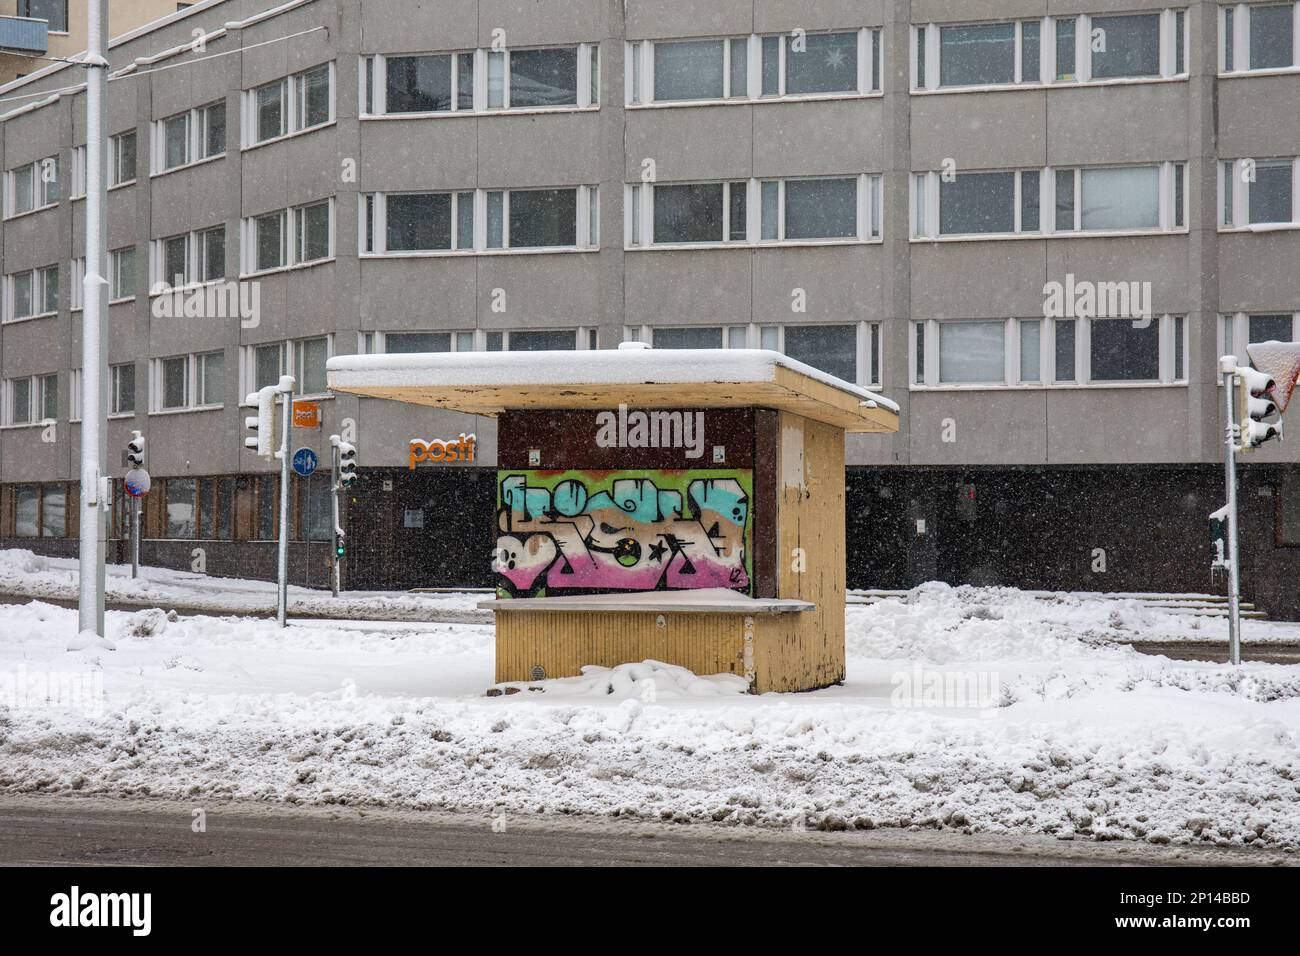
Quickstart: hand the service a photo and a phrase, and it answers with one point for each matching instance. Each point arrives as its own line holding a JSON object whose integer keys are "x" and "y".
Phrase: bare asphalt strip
{"x": 37, "y": 830}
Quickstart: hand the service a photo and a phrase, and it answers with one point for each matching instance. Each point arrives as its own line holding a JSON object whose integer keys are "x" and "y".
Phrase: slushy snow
{"x": 967, "y": 709}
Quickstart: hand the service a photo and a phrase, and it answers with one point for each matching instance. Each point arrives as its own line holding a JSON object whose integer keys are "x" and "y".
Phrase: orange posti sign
{"x": 306, "y": 414}
{"x": 436, "y": 450}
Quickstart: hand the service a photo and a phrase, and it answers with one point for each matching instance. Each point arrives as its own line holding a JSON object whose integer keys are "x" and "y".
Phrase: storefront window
{"x": 180, "y": 508}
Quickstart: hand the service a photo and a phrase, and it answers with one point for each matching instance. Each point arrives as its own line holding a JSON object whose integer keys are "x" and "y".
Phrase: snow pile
{"x": 648, "y": 681}
{"x": 1090, "y": 741}
{"x": 26, "y": 574}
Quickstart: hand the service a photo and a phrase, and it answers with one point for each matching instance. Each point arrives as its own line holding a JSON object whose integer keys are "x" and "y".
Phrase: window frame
{"x": 638, "y": 218}
{"x": 1234, "y": 24}
{"x": 925, "y": 51}
{"x": 925, "y": 197}
{"x": 40, "y": 187}
{"x": 39, "y": 388}
{"x": 291, "y": 97}
{"x": 870, "y": 340}
{"x": 372, "y": 79}
{"x": 639, "y": 62}
{"x": 1234, "y": 195}
{"x": 1172, "y": 331}
{"x": 291, "y": 220}
{"x": 194, "y": 381}
{"x": 289, "y": 356}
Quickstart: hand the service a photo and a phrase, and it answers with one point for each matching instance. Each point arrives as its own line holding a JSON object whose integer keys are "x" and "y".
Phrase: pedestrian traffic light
{"x": 135, "y": 451}
{"x": 1253, "y": 406}
{"x": 262, "y": 425}
{"x": 347, "y": 464}
{"x": 339, "y": 549}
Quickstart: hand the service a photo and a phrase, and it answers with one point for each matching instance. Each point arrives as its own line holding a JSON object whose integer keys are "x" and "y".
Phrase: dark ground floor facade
{"x": 1138, "y": 528}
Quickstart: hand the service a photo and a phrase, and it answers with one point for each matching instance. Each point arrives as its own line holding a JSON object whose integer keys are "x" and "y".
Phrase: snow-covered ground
{"x": 970, "y": 709}
{"x": 31, "y": 575}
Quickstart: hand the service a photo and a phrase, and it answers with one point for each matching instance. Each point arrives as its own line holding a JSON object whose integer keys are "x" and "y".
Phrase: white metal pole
{"x": 135, "y": 537}
{"x": 335, "y": 576}
{"x": 1230, "y": 480}
{"x": 282, "y": 592}
{"x": 93, "y": 524}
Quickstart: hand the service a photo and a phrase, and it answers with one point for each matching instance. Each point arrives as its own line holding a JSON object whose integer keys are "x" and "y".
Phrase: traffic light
{"x": 347, "y": 464}
{"x": 339, "y": 549}
{"x": 1253, "y": 406}
{"x": 135, "y": 451}
{"x": 262, "y": 425}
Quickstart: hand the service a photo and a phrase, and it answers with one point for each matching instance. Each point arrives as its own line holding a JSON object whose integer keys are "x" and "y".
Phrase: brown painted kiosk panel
{"x": 708, "y": 534}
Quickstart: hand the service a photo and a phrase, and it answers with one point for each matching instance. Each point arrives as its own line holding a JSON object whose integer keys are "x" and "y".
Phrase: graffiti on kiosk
{"x": 455, "y": 449}
{"x": 581, "y": 532}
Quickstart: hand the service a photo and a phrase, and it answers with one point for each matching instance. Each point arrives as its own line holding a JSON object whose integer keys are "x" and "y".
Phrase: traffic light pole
{"x": 282, "y": 591}
{"x": 335, "y": 488}
{"x": 135, "y": 537}
{"x": 1228, "y": 368}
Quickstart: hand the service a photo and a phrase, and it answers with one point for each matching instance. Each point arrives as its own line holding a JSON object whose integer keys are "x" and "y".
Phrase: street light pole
{"x": 1228, "y": 368}
{"x": 93, "y": 522}
{"x": 282, "y": 590}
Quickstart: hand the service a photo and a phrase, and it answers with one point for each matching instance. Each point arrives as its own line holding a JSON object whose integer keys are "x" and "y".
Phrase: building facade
{"x": 1035, "y": 224}
{"x": 24, "y": 50}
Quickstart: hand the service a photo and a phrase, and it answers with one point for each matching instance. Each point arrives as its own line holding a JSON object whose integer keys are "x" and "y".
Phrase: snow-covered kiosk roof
{"x": 487, "y": 383}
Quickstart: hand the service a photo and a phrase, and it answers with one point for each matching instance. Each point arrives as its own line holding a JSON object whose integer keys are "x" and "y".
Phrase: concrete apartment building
{"x": 33, "y": 32}
{"x": 884, "y": 189}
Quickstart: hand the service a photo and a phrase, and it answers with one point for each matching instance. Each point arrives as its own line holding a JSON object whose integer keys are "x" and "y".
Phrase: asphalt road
{"x": 91, "y": 831}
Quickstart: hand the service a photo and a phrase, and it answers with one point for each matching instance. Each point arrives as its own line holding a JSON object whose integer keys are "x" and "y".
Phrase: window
{"x": 183, "y": 382}
{"x": 77, "y": 183}
{"x": 31, "y": 400}
{"x": 750, "y": 211}
{"x": 288, "y": 237}
{"x": 1038, "y": 352}
{"x": 1258, "y": 192}
{"x": 830, "y": 348}
{"x": 564, "y": 218}
{"x": 182, "y": 139}
{"x": 1120, "y": 198}
{"x": 304, "y": 359}
{"x": 31, "y": 187}
{"x": 1257, "y": 36}
{"x": 211, "y": 247}
{"x": 182, "y": 512}
{"x": 54, "y": 511}
{"x": 810, "y": 209}
{"x": 54, "y": 12}
{"x": 1126, "y": 46}
{"x": 1240, "y": 329}
{"x": 405, "y": 342}
{"x": 121, "y": 389}
{"x": 292, "y": 105}
{"x": 313, "y": 97}
{"x": 1065, "y": 49}
{"x": 984, "y": 54}
{"x": 971, "y": 352}
{"x": 424, "y": 84}
{"x": 540, "y": 340}
{"x": 121, "y": 273}
{"x": 699, "y": 337}
{"x": 27, "y": 515}
{"x": 1121, "y": 350}
{"x": 121, "y": 159}
{"x": 32, "y": 293}
{"x": 717, "y": 69}
{"x": 454, "y": 82}
{"x": 1091, "y": 199}
{"x": 312, "y": 232}
{"x": 849, "y": 351}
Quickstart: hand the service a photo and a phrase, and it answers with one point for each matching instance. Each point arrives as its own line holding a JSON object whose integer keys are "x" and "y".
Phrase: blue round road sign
{"x": 304, "y": 462}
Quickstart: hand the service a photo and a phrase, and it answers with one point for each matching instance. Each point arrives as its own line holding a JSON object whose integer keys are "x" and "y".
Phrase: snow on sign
{"x": 304, "y": 462}
{"x": 136, "y": 481}
{"x": 1281, "y": 362}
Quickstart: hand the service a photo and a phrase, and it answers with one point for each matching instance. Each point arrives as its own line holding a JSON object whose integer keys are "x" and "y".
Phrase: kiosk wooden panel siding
{"x": 790, "y": 652}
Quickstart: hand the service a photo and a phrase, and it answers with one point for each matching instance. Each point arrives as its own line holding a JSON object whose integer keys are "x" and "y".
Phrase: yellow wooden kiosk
{"x": 685, "y": 506}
